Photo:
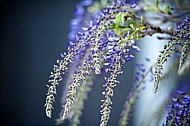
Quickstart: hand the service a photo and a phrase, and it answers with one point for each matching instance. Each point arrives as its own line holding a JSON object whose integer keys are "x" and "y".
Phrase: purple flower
{"x": 178, "y": 112}
{"x": 179, "y": 43}
{"x": 183, "y": 28}
{"x": 94, "y": 45}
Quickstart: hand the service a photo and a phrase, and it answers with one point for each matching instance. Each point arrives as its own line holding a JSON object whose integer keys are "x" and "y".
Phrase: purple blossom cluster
{"x": 93, "y": 47}
{"x": 82, "y": 18}
{"x": 183, "y": 29}
{"x": 179, "y": 43}
{"x": 183, "y": 33}
{"x": 178, "y": 113}
{"x": 100, "y": 40}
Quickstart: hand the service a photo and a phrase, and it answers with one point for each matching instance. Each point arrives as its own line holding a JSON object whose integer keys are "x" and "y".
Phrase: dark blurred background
{"x": 32, "y": 34}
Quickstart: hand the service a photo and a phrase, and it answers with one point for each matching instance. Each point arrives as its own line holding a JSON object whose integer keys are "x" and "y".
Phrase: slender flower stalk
{"x": 76, "y": 111}
{"x": 141, "y": 77}
{"x": 108, "y": 93}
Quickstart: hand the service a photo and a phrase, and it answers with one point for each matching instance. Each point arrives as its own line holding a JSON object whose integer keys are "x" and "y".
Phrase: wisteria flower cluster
{"x": 178, "y": 113}
{"x": 103, "y": 34}
{"x": 179, "y": 43}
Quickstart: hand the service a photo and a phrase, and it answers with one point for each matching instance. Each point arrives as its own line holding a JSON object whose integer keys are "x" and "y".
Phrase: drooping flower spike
{"x": 103, "y": 34}
{"x": 106, "y": 49}
{"x": 179, "y": 43}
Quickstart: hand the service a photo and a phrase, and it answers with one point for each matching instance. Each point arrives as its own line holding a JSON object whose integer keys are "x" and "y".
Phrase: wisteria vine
{"x": 102, "y": 36}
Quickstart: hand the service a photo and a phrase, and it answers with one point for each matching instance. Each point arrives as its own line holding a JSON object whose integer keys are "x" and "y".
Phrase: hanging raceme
{"x": 103, "y": 35}
{"x": 99, "y": 38}
{"x": 179, "y": 39}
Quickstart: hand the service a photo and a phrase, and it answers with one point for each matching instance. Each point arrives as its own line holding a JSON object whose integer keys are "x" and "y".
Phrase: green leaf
{"x": 157, "y": 6}
{"x": 167, "y": 9}
{"x": 141, "y": 19}
{"x": 157, "y": 3}
{"x": 130, "y": 21}
{"x": 120, "y": 19}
